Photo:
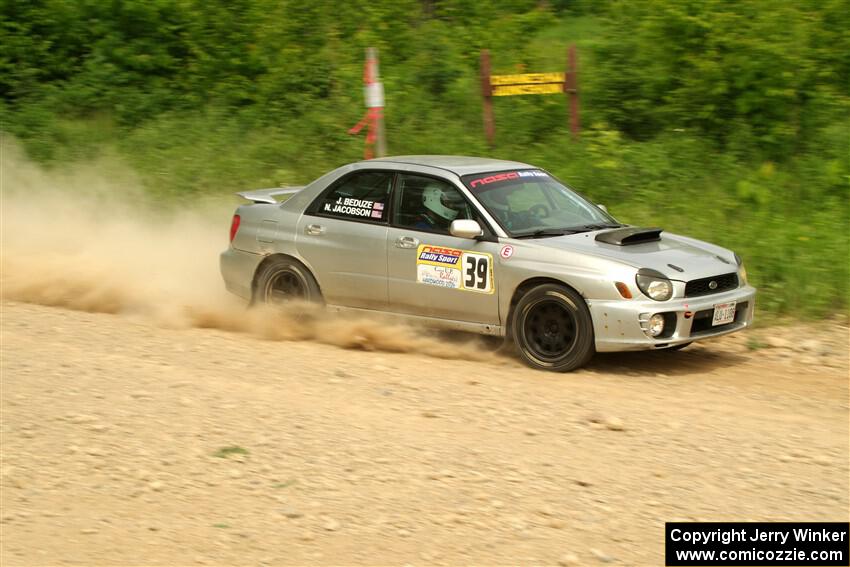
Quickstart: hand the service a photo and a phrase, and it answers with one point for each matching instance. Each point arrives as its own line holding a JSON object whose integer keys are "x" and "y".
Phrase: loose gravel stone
{"x": 291, "y": 513}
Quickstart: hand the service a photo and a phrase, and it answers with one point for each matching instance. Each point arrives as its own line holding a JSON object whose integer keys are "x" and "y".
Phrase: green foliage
{"x": 724, "y": 120}
{"x": 761, "y": 76}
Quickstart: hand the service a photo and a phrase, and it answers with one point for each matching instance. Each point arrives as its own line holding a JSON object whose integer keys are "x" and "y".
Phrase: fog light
{"x": 656, "y": 325}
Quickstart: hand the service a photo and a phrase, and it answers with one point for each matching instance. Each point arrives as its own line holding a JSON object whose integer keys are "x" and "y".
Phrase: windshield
{"x": 532, "y": 203}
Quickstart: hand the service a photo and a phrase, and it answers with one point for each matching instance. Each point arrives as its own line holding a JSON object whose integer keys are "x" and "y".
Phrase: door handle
{"x": 315, "y": 229}
{"x": 406, "y": 242}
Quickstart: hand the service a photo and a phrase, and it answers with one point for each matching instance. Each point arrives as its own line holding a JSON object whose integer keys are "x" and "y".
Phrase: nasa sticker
{"x": 507, "y": 251}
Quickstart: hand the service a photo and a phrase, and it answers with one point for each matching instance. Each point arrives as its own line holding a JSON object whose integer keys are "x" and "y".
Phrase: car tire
{"x": 679, "y": 346}
{"x": 552, "y": 328}
{"x": 283, "y": 279}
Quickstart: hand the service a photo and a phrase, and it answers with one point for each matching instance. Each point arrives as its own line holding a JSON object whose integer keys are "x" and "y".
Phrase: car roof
{"x": 460, "y": 165}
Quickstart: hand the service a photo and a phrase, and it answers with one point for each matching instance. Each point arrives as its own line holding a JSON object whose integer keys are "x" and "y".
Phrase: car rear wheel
{"x": 285, "y": 279}
{"x": 552, "y": 328}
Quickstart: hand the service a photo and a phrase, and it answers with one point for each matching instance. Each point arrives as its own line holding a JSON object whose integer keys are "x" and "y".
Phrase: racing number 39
{"x": 476, "y": 272}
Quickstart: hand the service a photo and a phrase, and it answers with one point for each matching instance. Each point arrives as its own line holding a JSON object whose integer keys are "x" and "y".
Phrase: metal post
{"x": 487, "y": 93}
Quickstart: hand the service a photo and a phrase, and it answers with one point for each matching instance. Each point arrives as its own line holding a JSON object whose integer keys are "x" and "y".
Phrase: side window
{"x": 360, "y": 196}
{"x": 428, "y": 204}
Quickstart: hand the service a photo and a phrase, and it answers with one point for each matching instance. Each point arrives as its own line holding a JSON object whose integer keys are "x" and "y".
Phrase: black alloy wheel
{"x": 285, "y": 285}
{"x": 284, "y": 279}
{"x": 552, "y": 328}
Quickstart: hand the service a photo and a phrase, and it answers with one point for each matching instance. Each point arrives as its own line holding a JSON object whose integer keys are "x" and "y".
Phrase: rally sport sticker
{"x": 454, "y": 269}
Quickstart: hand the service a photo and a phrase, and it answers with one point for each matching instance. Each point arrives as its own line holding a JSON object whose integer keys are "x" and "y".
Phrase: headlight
{"x": 654, "y": 284}
{"x": 742, "y": 271}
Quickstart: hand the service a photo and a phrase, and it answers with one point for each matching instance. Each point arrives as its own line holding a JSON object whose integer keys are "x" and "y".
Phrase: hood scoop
{"x": 629, "y": 235}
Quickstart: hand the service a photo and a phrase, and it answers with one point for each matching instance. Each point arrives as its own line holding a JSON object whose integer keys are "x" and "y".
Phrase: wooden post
{"x": 487, "y": 94}
{"x": 571, "y": 90}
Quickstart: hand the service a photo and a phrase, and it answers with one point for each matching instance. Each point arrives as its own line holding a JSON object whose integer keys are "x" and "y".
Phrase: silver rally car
{"x": 489, "y": 246}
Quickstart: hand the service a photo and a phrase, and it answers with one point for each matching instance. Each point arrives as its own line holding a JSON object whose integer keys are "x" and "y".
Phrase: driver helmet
{"x": 497, "y": 200}
{"x": 440, "y": 201}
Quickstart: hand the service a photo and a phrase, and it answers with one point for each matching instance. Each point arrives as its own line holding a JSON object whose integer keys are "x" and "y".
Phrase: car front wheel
{"x": 552, "y": 328}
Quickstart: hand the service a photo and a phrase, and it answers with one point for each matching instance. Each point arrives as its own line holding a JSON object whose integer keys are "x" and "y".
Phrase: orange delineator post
{"x": 374, "y": 97}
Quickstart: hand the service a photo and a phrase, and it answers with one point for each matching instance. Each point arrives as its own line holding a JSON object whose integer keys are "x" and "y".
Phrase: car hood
{"x": 677, "y": 257}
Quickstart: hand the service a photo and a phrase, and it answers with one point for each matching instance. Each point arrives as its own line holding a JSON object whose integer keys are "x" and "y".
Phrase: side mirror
{"x": 603, "y": 207}
{"x": 465, "y": 228}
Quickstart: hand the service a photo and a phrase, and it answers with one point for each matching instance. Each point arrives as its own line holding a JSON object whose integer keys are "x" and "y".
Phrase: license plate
{"x": 723, "y": 313}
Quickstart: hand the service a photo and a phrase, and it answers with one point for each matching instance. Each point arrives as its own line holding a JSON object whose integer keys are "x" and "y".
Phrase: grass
{"x": 225, "y": 452}
{"x": 788, "y": 222}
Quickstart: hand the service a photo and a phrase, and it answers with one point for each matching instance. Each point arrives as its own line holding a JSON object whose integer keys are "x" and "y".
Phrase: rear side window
{"x": 362, "y": 196}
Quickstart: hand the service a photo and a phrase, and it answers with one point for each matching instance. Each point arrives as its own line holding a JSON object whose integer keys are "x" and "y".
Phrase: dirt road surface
{"x": 125, "y": 443}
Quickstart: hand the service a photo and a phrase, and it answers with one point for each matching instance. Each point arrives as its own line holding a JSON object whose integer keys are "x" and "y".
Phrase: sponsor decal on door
{"x": 454, "y": 268}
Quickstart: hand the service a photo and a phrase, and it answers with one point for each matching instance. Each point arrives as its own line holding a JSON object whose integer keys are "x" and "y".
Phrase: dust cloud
{"x": 87, "y": 237}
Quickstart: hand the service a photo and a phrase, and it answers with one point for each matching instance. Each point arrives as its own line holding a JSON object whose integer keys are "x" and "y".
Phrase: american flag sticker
{"x": 378, "y": 207}
{"x": 377, "y": 214}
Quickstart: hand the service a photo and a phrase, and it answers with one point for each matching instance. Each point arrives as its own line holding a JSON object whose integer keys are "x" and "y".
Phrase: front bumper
{"x": 616, "y": 323}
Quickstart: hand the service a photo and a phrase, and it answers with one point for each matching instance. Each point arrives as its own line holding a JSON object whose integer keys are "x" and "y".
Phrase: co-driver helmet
{"x": 440, "y": 201}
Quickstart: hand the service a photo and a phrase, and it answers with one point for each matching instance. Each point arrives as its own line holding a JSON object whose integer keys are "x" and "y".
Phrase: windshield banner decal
{"x": 507, "y": 176}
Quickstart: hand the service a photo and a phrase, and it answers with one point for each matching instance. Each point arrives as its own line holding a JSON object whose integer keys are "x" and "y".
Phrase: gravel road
{"x": 126, "y": 443}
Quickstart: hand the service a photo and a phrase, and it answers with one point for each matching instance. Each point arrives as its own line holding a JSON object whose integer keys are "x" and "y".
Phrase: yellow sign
{"x": 527, "y": 78}
{"x": 545, "y": 88}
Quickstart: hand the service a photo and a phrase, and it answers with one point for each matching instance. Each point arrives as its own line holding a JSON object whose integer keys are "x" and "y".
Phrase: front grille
{"x": 702, "y": 319}
{"x": 695, "y": 288}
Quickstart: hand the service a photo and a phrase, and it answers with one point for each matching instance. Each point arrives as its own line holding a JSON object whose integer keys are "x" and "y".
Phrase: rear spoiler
{"x": 268, "y": 195}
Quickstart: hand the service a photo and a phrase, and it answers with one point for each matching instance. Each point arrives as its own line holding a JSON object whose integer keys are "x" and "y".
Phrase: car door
{"x": 342, "y": 236}
{"x": 432, "y": 273}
